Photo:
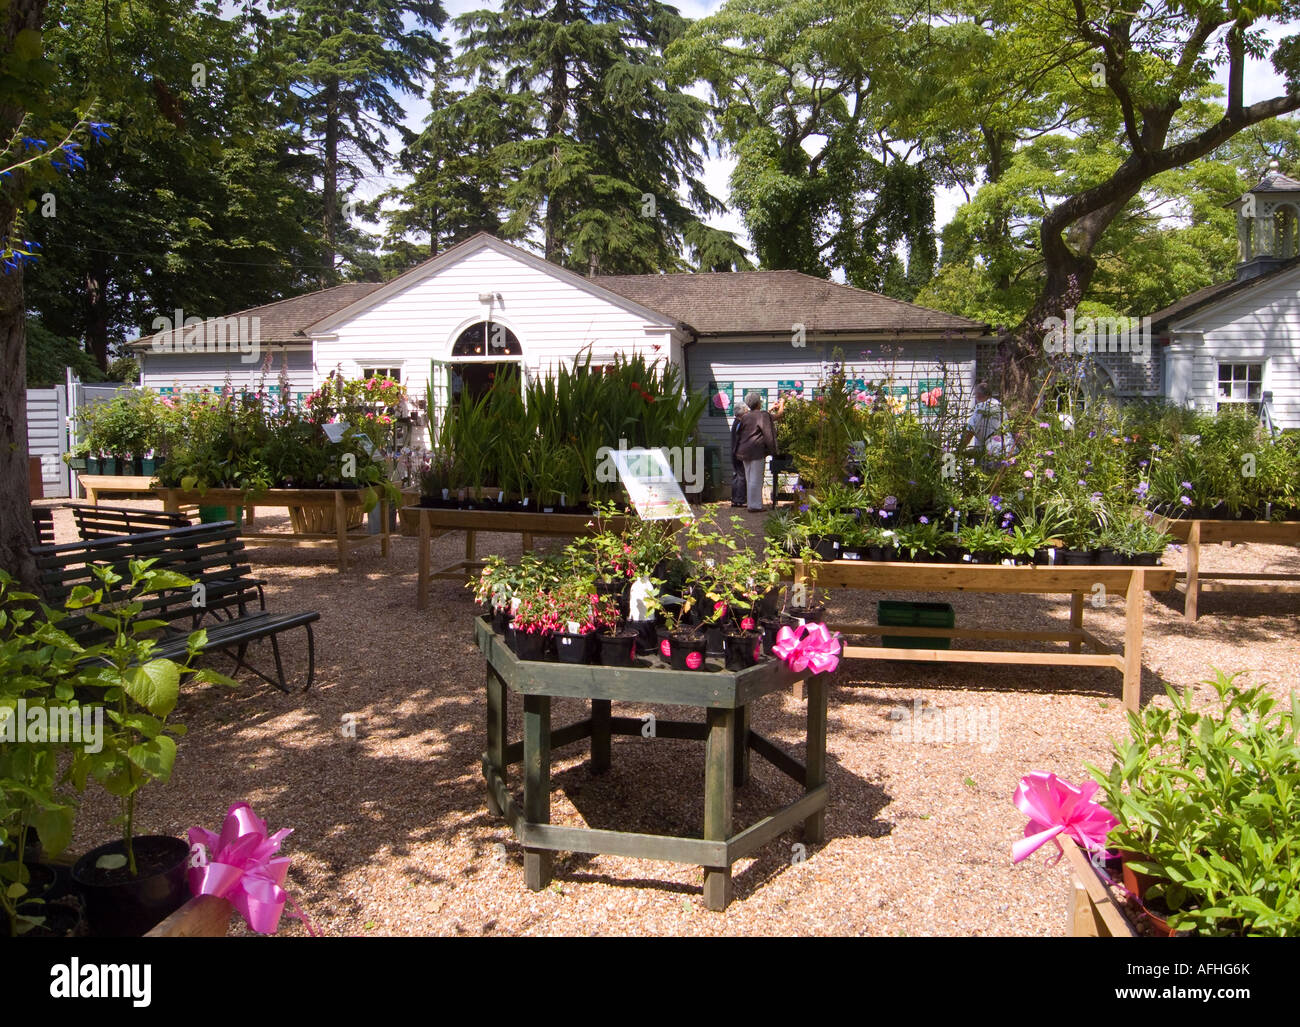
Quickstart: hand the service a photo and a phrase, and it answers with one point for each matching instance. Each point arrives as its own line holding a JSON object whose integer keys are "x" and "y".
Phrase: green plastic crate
{"x": 895, "y": 613}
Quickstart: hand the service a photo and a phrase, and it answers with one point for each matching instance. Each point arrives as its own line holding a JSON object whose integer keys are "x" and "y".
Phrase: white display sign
{"x": 651, "y": 484}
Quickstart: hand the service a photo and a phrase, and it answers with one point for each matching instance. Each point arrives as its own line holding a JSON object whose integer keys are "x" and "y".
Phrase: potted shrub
{"x": 1209, "y": 811}
{"x": 134, "y": 882}
{"x": 535, "y": 622}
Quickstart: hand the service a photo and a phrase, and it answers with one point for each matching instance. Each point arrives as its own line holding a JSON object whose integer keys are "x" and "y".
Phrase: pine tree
{"x": 350, "y": 60}
{"x": 609, "y": 160}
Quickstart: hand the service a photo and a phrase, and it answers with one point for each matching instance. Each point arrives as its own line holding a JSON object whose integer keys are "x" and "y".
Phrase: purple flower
{"x": 995, "y": 502}
{"x": 1143, "y": 463}
{"x": 1142, "y": 488}
{"x": 1092, "y": 434}
{"x": 803, "y": 508}
{"x": 924, "y": 520}
{"x": 1029, "y": 474}
{"x": 1049, "y": 452}
{"x": 854, "y": 480}
{"x": 1185, "y": 484}
{"x": 1082, "y": 482}
{"x": 1043, "y": 424}
{"x": 1185, "y": 500}
{"x": 1049, "y": 473}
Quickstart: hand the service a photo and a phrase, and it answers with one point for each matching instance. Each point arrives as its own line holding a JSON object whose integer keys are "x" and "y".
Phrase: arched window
{"x": 486, "y": 339}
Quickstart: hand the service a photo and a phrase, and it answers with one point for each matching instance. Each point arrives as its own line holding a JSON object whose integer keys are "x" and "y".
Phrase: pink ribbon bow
{"x": 810, "y": 646}
{"x": 1057, "y": 807}
{"x": 237, "y": 865}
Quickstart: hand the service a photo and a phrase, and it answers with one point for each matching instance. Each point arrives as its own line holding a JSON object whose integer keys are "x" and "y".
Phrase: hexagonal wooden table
{"x": 725, "y": 697}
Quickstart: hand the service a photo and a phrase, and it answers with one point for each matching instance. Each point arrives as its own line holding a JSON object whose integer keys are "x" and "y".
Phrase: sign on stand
{"x": 651, "y": 484}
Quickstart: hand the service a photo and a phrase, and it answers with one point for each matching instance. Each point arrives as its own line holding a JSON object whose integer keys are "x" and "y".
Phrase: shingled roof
{"x": 1214, "y": 293}
{"x": 722, "y": 303}
{"x": 286, "y": 321}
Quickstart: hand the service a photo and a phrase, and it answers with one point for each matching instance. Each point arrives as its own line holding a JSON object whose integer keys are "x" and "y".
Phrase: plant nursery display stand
{"x": 427, "y": 523}
{"x": 1194, "y": 533}
{"x": 307, "y": 508}
{"x": 725, "y": 697}
{"x": 1092, "y": 911}
{"x": 133, "y": 486}
{"x": 1079, "y": 582}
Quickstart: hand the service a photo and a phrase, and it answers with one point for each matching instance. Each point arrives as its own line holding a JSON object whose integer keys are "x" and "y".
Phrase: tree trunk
{"x": 96, "y": 300}
{"x": 16, "y": 531}
{"x": 330, "y": 179}
{"x": 557, "y": 106}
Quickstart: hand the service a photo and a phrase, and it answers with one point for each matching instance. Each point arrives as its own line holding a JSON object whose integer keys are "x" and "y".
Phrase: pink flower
{"x": 1049, "y": 473}
{"x": 1029, "y": 474}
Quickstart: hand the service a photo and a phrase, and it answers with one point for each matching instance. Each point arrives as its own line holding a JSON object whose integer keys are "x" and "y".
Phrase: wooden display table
{"x": 136, "y": 486}
{"x": 724, "y": 697}
{"x": 1077, "y": 582}
{"x": 1092, "y": 912}
{"x": 303, "y": 504}
{"x": 1194, "y": 533}
{"x": 427, "y": 523}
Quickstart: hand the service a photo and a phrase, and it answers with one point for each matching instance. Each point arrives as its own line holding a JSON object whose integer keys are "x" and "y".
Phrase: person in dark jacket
{"x": 737, "y": 465}
{"x": 755, "y": 442}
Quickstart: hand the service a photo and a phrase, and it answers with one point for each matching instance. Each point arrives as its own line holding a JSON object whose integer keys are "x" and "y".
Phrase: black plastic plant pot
{"x": 618, "y": 650}
{"x": 770, "y": 629}
{"x": 575, "y": 648}
{"x": 827, "y": 547}
{"x": 713, "y": 640}
{"x": 687, "y": 652}
{"x": 647, "y": 635}
{"x": 121, "y": 906}
{"x": 532, "y": 645}
{"x": 769, "y": 605}
{"x": 500, "y": 620}
{"x": 1145, "y": 559}
{"x": 1075, "y": 557}
{"x": 1108, "y": 557}
{"x": 743, "y": 650}
{"x": 852, "y": 553}
{"x": 58, "y": 921}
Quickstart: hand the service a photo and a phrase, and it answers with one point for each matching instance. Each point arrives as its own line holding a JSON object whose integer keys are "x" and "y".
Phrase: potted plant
{"x": 535, "y": 622}
{"x": 581, "y": 612}
{"x": 681, "y": 644}
{"x": 1208, "y": 811}
{"x": 134, "y": 882}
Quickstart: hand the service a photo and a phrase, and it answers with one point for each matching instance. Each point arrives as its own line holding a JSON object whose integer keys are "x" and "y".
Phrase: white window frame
{"x": 1232, "y": 398}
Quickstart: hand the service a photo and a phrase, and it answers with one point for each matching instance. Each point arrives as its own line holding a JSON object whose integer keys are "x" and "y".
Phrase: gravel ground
{"x": 392, "y": 835}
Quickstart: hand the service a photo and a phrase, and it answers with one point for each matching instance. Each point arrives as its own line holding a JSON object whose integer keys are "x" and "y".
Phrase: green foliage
{"x": 50, "y": 355}
{"x": 1210, "y": 804}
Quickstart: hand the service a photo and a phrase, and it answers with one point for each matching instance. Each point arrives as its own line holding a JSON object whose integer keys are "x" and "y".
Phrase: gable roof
{"x": 1212, "y": 294}
{"x": 476, "y": 242}
{"x": 287, "y": 320}
{"x": 718, "y": 303}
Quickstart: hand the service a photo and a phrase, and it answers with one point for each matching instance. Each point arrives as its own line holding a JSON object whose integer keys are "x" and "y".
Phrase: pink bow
{"x": 237, "y": 865}
{"x": 1057, "y": 807}
{"x": 811, "y": 646}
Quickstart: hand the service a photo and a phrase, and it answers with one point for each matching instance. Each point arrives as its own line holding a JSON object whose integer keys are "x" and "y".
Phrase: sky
{"x": 1260, "y": 82}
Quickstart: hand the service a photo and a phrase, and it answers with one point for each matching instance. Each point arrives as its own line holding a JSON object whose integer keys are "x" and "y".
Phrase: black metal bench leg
{"x": 279, "y": 665}
{"x": 311, "y": 658}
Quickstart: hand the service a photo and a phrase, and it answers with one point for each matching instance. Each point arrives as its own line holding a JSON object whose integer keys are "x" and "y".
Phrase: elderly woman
{"x": 737, "y": 466}
{"x": 755, "y": 441}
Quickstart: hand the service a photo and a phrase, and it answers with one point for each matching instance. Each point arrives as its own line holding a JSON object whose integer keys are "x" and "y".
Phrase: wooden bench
{"x": 107, "y": 521}
{"x": 43, "y": 520}
{"x": 226, "y": 600}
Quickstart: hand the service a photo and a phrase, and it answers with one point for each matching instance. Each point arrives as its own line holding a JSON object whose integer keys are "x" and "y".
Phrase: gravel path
{"x": 392, "y": 836}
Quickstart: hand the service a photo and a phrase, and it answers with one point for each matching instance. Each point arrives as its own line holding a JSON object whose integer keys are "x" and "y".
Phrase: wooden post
{"x": 1076, "y": 620}
{"x": 422, "y": 575}
{"x": 600, "y": 732}
{"x": 526, "y": 541}
{"x": 1193, "y": 572}
{"x": 719, "y": 794}
{"x": 341, "y": 528}
{"x": 537, "y": 785}
{"x": 741, "y": 745}
{"x": 814, "y": 828}
{"x": 171, "y": 504}
{"x": 496, "y": 733}
{"x": 469, "y": 550}
{"x": 1133, "y": 640}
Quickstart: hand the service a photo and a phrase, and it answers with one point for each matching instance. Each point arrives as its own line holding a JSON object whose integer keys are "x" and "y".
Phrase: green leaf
{"x": 111, "y": 861}
{"x": 155, "y": 686}
{"x": 156, "y": 756}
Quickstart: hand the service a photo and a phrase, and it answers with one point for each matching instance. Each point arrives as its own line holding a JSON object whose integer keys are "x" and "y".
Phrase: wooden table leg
{"x": 740, "y": 745}
{"x": 814, "y": 828}
{"x": 526, "y": 541}
{"x": 170, "y": 503}
{"x": 600, "y": 733}
{"x": 341, "y": 529}
{"x": 719, "y": 795}
{"x": 496, "y": 733}
{"x": 469, "y": 553}
{"x": 1193, "y": 572}
{"x": 425, "y": 554}
{"x": 1076, "y": 620}
{"x": 537, "y": 785}
{"x": 1133, "y": 640}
